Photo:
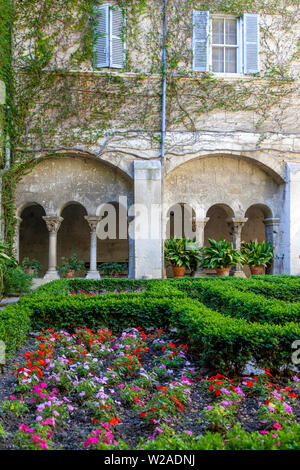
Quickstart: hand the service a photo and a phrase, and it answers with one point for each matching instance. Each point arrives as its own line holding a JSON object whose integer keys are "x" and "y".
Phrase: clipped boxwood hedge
{"x": 230, "y": 300}
{"x": 223, "y": 341}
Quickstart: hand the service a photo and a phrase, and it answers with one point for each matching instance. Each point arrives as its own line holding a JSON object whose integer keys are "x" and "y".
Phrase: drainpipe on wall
{"x": 163, "y": 121}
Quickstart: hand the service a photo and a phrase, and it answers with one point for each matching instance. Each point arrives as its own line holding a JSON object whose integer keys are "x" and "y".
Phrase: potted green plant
{"x": 182, "y": 254}
{"x": 113, "y": 269}
{"x": 257, "y": 255}
{"x": 220, "y": 256}
{"x": 31, "y": 266}
{"x": 70, "y": 266}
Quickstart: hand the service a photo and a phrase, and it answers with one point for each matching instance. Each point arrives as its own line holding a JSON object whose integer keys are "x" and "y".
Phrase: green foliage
{"x": 229, "y": 300}
{"x": 257, "y": 254}
{"x": 180, "y": 252}
{"x": 31, "y": 264}
{"x": 220, "y": 254}
{"x": 16, "y": 281}
{"x": 70, "y": 264}
{"x": 111, "y": 268}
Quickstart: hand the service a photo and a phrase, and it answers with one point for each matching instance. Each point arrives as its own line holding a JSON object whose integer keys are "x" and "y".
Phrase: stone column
{"x": 53, "y": 224}
{"x": 290, "y": 221}
{"x": 272, "y": 236}
{"x": 200, "y": 226}
{"x": 93, "y": 273}
{"x": 145, "y": 229}
{"x": 17, "y": 238}
{"x": 130, "y": 252}
{"x": 237, "y": 225}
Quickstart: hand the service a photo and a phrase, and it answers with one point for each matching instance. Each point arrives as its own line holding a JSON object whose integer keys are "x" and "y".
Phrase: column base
{"x": 93, "y": 275}
{"x": 52, "y": 275}
{"x": 239, "y": 274}
{"x": 199, "y": 273}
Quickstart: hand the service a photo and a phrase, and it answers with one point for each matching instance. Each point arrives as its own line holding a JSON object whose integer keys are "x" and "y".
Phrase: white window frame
{"x": 239, "y": 47}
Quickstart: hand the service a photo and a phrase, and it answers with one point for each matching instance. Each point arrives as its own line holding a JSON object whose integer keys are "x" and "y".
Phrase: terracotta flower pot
{"x": 31, "y": 272}
{"x": 70, "y": 274}
{"x": 257, "y": 270}
{"x": 178, "y": 271}
{"x": 223, "y": 271}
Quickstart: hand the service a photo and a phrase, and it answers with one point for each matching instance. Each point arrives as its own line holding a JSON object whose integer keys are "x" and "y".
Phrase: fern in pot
{"x": 220, "y": 256}
{"x": 180, "y": 252}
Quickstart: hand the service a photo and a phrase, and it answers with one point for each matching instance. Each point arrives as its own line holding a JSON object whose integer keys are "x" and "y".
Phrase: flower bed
{"x": 139, "y": 390}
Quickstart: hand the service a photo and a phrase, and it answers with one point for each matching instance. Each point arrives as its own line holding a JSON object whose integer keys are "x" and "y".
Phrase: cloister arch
{"x": 33, "y": 234}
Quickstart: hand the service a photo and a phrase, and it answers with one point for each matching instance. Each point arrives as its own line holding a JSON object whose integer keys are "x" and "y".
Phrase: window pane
{"x": 231, "y": 32}
{"x": 218, "y": 31}
{"x": 230, "y": 60}
{"x": 218, "y": 59}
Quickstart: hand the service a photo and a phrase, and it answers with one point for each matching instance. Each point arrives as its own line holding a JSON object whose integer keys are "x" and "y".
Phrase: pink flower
{"x": 158, "y": 429}
{"x": 277, "y": 426}
{"x": 188, "y": 432}
{"x": 263, "y": 432}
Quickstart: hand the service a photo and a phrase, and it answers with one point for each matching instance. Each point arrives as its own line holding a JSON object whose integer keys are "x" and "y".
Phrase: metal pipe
{"x": 163, "y": 122}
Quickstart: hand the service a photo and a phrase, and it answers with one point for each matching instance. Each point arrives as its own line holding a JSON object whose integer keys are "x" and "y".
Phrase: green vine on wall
{"x": 57, "y": 102}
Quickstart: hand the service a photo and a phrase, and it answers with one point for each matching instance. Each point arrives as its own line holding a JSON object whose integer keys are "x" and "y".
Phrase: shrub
{"x": 14, "y": 326}
{"x": 231, "y": 301}
{"x": 16, "y": 281}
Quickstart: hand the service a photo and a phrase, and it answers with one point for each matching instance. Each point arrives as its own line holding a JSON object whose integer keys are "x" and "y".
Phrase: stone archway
{"x": 73, "y": 235}
{"x": 218, "y": 226}
{"x": 33, "y": 235}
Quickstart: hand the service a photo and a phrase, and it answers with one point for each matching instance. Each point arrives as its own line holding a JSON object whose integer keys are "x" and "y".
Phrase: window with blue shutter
{"x": 225, "y": 44}
{"x": 200, "y": 41}
{"x": 109, "y": 47}
{"x": 251, "y": 43}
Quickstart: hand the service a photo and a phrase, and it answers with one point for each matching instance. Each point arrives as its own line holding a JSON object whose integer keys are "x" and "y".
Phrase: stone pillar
{"x": 237, "y": 225}
{"x": 291, "y": 221}
{"x": 93, "y": 221}
{"x": 200, "y": 226}
{"x": 131, "y": 269}
{"x": 145, "y": 229}
{"x": 53, "y": 224}
{"x": 17, "y": 238}
{"x": 272, "y": 236}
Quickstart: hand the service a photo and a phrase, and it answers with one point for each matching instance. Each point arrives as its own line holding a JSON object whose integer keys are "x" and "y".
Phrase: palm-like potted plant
{"x": 31, "y": 266}
{"x": 257, "y": 255}
{"x": 181, "y": 253}
{"x": 70, "y": 266}
{"x": 220, "y": 256}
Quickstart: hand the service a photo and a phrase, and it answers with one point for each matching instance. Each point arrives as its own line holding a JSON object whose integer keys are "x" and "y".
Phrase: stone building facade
{"x": 236, "y": 169}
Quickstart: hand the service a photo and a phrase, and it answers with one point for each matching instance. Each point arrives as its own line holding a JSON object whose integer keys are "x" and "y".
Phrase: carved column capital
{"x": 92, "y": 221}
{"x": 272, "y": 221}
{"x": 53, "y": 223}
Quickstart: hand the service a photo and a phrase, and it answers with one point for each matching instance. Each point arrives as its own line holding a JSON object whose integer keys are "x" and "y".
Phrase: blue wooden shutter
{"x": 117, "y": 53}
{"x": 251, "y": 43}
{"x": 200, "y": 41}
{"x": 101, "y": 42}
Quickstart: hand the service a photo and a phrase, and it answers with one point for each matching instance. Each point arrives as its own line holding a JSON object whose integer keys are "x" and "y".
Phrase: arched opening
{"x": 217, "y": 226}
{"x": 254, "y": 228}
{"x": 181, "y": 221}
{"x": 112, "y": 239}
{"x": 73, "y": 235}
{"x": 34, "y": 236}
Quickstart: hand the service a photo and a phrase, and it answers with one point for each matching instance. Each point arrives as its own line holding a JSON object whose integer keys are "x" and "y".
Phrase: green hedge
{"x": 229, "y": 300}
{"x": 224, "y": 342}
{"x": 14, "y": 327}
{"x": 227, "y": 343}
